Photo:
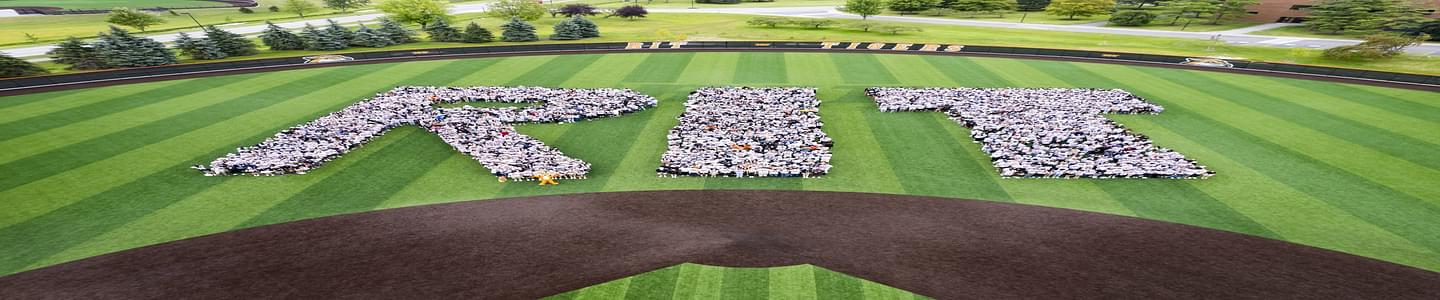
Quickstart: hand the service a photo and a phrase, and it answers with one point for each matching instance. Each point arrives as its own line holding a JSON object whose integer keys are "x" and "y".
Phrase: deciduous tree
{"x": 864, "y": 8}
{"x": 1070, "y": 9}
{"x": 300, "y": 7}
{"x": 133, "y": 18}
{"x": 630, "y": 12}
{"x": 577, "y": 9}
{"x": 984, "y": 6}
{"x": 414, "y": 11}
{"x": 912, "y": 6}
{"x": 1361, "y": 16}
{"x": 528, "y": 10}
{"x": 346, "y": 5}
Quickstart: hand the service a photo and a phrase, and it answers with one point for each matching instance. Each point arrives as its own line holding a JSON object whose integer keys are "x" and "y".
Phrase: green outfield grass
{"x": 692, "y": 281}
{"x": 1343, "y": 167}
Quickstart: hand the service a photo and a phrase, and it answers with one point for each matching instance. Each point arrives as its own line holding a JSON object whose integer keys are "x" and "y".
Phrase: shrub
{"x": 274, "y": 8}
{"x": 631, "y": 12}
{"x": 813, "y": 23}
{"x": 476, "y": 34}
{"x": 1132, "y": 18}
{"x": 896, "y": 29}
{"x": 771, "y": 22}
{"x": 246, "y": 10}
{"x": 578, "y": 9}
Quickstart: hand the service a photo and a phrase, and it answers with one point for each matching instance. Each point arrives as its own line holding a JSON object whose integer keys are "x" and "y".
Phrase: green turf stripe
{"x": 555, "y": 71}
{"x": 873, "y": 290}
{"x": 914, "y": 70}
{"x": 565, "y": 296}
{"x": 710, "y": 69}
{"x": 964, "y": 71}
{"x": 593, "y": 141}
{"x": 505, "y": 70}
{"x": 475, "y": 71}
{"x": 929, "y": 160}
{"x": 745, "y": 283}
{"x": 811, "y": 69}
{"x": 79, "y": 154}
{"x": 660, "y": 67}
{"x": 610, "y": 290}
{"x": 604, "y": 72}
{"x": 1416, "y": 121}
{"x": 115, "y": 171}
{"x": 25, "y": 106}
{"x": 70, "y": 116}
{"x": 636, "y": 171}
{"x": 862, "y": 69}
{"x": 383, "y": 174}
{"x": 1405, "y": 215}
{"x": 709, "y": 283}
{"x": 215, "y": 208}
{"x": 1017, "y": 73}
{"x": 792, "y": 282}
{"x": 1369, "y": 97}
{"x": 855, "y": 165}
{"x": 832, "y": 285}
{"x": 767, "y": 68}
{"x": 658, "y": 284}
{"x": 1172, "y": 200}
{"x": 1400, "y": 146}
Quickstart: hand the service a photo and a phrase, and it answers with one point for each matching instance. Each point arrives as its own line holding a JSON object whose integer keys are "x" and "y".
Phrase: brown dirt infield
{"x": 539, "y": 246}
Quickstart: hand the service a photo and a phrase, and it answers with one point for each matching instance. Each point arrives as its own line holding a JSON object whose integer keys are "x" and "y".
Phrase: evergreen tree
{"x": 588, "y": 29}
{"x": 233, "y": 44}
{"x": 201, "y": 49}
{"x": 119, "y": 48}
{"x": 441, "y": 31}
{"x": 15, "y": 67}
{"x": 397, "y": 33}
{"x": 366, "y": 37}
{"x": 567, "y": 30}
{"x": 911, "y": 6}
{"x": 78, "y": 54}
{"x": 339, "y": 33}
{"x": 518, "y": 31}
{"x": 1360, "y": 16}
{"x": 279, "y": 39}
{"x": 316, "y": 39}
{"x": 476, "y": 34}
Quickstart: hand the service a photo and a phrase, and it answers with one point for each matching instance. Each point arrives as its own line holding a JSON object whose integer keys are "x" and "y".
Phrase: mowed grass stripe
{"x": 1405, "y": 215}
{"x": 855, "y": 165}
{"x": 914, "y": 70}
{"x": 1289, "y": 212}
{"x": 594, "y": 141}
{"x": 704, "y": 70}
{"x": 745, "y": 283}
{"x": 120, "y": 169}
{"x": 556, "y": 71}
{"x": 812, "y": 69}
{"x": 173, "y": 215}
{"x": 25, "y": 106}
{"x": 605, "y": 71}
{"x": 1265, "y": 99}
{"x": 792, "y": 282}
{"x": 75, "y": 155}
{"x": 833, "y": 285}
{"x": 1175, "y": 200}
{"x": 636, "y": 171}
{"x": 1392, "y": 172}
{"x": 1284, "y": 89}
{"x": 66, "y": 117}
{"x": 964, "y": 71}
{"x": 929, "y": 160}
{"x": 1369, "y": 97}
{"x": 861, "y": 69}
{"x": 145, "y": 189}
{"x": 661, "y": 67}
{"x": 658, "y": 284}
{"x": 761, "y": 68}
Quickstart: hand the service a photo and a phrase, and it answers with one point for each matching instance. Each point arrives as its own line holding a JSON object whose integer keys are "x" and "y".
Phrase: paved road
{"x": 1235, "y": 37}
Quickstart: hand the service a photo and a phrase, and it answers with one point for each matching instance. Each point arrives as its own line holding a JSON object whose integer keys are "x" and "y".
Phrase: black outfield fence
{"x": 110, "y": 77}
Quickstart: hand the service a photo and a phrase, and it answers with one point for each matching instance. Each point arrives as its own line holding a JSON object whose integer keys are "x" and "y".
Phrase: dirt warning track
{"x": 539, "y": 246}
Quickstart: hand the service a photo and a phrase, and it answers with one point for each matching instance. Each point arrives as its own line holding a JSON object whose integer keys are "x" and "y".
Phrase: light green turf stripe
{"x": 1419, "y": 97}
{"x": 657, "y": 284}
{"x": 458, "y": 178}
{"x": 1400, "y": 175}
{"x": 793, "y": 282}
{"x": 709, "y": 283}
{"x": 614, "y": 289}
{"x": 1424, "y": 130}
{"x": 210, "y": 211}
{"x": 1285, "y": 210}
{"x": 833, "y": 285}
{"x": 686, "y": 281}
{"x": 1073, "y": 194}
{"x": 862, "y": 69}
{"x": 637, "y": 170}
{"x": 745, "y": 283}
{"x": 84, "y": 97}
{"x": 709, "y": 69}
{"x": 811, "y": 69}
{"x": 875, "y": 290}
{"x": 56, "y": 138}
{"x": 120, "y": 169}
{"x": 855, "y": 165}
{"x": 760, "y": 69}
{"x": 605, "y": 72}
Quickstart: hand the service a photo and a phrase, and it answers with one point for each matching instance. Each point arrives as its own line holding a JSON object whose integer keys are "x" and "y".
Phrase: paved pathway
{"x": 1235, "y": 36}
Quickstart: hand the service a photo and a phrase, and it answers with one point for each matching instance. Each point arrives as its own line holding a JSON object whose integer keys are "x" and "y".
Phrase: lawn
{"x": 687, "y": 3}
{"x": 1009, "y": 17}
{"x": 1343, "y": 167}
{"x": 55, "y": 28}
{"x": 1302, "y": 31}
{"x": 107, "y": 4}
{"x": 692, "y": 281}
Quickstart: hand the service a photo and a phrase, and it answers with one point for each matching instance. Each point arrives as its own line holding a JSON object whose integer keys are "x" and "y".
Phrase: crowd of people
{"x": 486, "y": 134}
{"x": 748, "y": 132}
{"x": 1052, "y": 132}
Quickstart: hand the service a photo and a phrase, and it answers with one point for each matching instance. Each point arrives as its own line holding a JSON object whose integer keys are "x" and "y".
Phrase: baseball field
{"x": 1343, "y": 167}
